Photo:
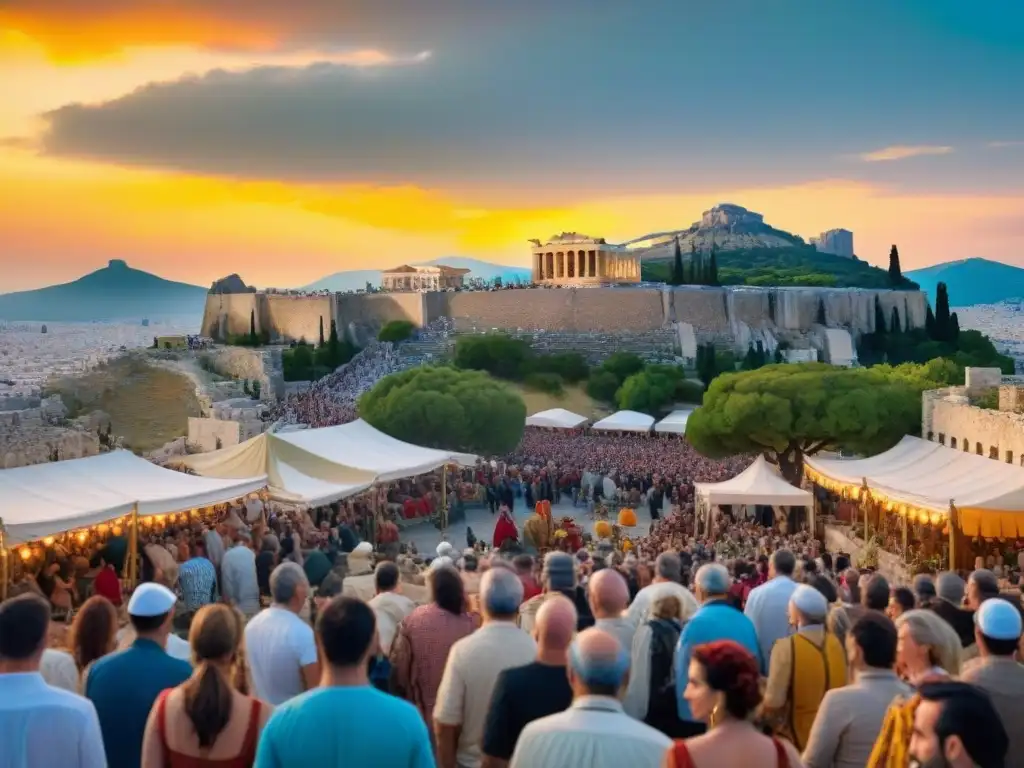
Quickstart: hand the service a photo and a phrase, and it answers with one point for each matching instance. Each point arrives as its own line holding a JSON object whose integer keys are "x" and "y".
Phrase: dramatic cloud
{"x": 902, "y": 152}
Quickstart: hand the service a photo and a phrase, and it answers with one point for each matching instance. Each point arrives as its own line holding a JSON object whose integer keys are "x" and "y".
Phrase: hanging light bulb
{"x": 26, "y": 553}
{"x": 48, "y": 541}
{"x": 82, "y": 537}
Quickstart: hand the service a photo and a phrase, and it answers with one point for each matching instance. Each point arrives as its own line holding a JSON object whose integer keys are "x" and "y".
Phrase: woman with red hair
{"x": 723, "y": 690}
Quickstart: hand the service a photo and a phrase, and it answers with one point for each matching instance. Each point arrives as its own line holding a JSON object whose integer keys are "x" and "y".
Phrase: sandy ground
{"x": 575, "y": 399}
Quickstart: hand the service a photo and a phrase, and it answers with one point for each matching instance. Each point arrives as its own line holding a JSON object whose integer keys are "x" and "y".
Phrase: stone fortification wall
{"x": 734, "y": 316}
{"x": 290, "y": 318}
{"x": 947, "y": 417}
{"x": 579, "y": 310}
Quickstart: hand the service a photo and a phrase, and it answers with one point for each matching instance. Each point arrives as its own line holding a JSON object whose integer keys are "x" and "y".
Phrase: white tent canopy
{"x": 556, "y": 418}
{"x": 359, "y": 445}
{"x": 760, "y": 483}
{"x": 675, "y": 422}
{"x": 294, "y": 475}
{"x": 930, "y": 476}
{"x": 46, "y": 499}
{"x": 626, "y": 421}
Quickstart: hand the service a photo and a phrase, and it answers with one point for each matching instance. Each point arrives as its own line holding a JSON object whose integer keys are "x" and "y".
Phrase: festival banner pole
{"x": 952, "y": 536}
{"x": 133, "y": 549}
{"x": 4, "y": 575}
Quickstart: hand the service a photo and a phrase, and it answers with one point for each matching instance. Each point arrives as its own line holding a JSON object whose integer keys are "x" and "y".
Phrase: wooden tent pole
{"x": 905, "y": 559}
{"x": 133, "y": 549}
{"x": 952, "y": 536}
{"x": 4, "y": 565}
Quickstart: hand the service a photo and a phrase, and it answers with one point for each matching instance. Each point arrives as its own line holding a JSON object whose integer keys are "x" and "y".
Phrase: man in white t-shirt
{"x": 668, "y": 571}
{"x": 279, "y": 645}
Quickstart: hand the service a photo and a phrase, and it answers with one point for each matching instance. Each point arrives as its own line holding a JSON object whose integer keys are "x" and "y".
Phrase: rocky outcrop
{"x": 727, "y": 226}
{"x": 231, "y": 284}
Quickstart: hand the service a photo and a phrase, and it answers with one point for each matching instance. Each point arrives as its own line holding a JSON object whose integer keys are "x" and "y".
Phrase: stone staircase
{"x": 424, "y": 351}
{"x": 655, "y": 346}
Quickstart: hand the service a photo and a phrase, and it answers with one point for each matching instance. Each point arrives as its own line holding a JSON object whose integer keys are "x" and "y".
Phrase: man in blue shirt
{"x": 717, "y": 619}
{"x": 124, "y": 685}
{"x": 345, "y": 721}
{"x": 198, "y": 579}
{"x": 768, "y": 605}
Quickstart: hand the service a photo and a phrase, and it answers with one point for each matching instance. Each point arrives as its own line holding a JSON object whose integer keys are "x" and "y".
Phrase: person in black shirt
{"x": 524, "y": 694}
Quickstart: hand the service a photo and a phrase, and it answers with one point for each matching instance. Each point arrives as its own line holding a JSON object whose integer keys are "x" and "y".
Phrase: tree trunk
{"x": 790, "y": 463}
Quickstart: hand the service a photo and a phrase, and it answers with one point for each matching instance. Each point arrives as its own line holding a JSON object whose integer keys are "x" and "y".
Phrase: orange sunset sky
{"x": 287, "y": 141}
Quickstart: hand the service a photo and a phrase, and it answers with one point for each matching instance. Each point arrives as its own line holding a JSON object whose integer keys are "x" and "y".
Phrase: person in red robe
{"x": 505, "y": 528}
{"x": 106, "y": 582}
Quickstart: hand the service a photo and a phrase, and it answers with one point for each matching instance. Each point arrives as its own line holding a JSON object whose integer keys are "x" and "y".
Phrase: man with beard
{"x": 956, "y": 726}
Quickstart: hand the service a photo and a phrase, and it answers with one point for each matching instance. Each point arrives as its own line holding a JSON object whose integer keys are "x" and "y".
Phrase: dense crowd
{"x": 747, "y": 645}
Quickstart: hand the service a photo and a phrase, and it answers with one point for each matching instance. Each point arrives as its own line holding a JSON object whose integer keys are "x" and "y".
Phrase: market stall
{"x": 625, "y": 421}
{"x": 758, "y": 484}
{"x": 675, "y": 422}
{"x": 556, "y": 418}
{"x": 924, "y": 484}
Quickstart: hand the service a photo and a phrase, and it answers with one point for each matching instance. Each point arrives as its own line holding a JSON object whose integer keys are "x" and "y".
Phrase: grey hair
{"x": 929, "y": 629}
{"x": 501, "y": 592}
{"x": 669, "y": 566}
{"x": 285, "y": 582}
{"x": 713, "y": 579}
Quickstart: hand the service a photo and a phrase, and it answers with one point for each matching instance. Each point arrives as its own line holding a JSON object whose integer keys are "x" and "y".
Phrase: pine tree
{"x": 929, "y": 322}
{"x": 253, "y": 340}
{"x": 880, "y": 324}
{"x": 895, "y": 274}
{"x": 321, "y": 330}
{"x": 334, "y": 346}
{"x": 750, "y": 359}
{"x": 713, "y": 267}
{"x": 821, "y": 319}
{"x": 954, "y": 328}
{"x": 694, "y": 261}
{"x": 942, "y": 321}
{"x": 894, "y": 322}
{"x": 677, "y": 266}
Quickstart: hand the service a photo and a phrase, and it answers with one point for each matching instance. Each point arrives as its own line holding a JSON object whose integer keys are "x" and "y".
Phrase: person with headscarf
{"x": 504, "y": 528}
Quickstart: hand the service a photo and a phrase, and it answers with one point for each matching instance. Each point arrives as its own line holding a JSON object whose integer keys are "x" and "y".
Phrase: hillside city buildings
{"x": 838, "y": 242}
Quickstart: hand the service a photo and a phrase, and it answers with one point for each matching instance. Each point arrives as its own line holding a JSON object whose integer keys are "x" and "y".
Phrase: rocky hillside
{"x": 729, "y": 227}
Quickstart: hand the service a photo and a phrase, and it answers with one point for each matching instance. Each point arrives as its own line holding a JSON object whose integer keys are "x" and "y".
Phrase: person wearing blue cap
{"x": 997, "y": 633}
{"x": 124, "y": 685}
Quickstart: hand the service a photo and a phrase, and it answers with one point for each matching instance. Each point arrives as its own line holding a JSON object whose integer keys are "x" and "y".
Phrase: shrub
{"x": 602, "y": 385}
{"x": 545, "y": 382}
{"x": 689, "y": 391}
{"x": 396, "y": 331}
{"x": 496, "y": 353}
{"x": 569, "y": 366}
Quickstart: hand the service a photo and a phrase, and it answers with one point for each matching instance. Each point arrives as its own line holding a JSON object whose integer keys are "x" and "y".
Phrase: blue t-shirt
{"x": 345, "y": 727}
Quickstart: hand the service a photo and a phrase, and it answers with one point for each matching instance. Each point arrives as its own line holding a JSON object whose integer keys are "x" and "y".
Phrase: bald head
{"x": 599, "y": 665}
{"x": 608, "y": 593}
{"x": 555, "y": 625}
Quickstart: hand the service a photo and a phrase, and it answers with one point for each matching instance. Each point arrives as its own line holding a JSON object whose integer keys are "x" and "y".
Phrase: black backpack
{"x": 661, "y": 703}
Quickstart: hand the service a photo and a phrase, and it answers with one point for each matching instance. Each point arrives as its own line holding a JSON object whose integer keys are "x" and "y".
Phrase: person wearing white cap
{"x": 445, "y": 549}
{"x": 803, "y": 667}
{"x": 997, "y": 632}
{"x": 123, "y": 685}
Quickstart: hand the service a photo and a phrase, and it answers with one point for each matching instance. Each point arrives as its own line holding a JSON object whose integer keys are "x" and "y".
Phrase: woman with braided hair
{"x": 723, "y": 690}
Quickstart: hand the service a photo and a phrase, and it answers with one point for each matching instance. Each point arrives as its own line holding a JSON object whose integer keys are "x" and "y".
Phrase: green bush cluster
{"x": 444, "y": 407}
{"x": 304, "y": 362}
{"x": 630, "y": 384}
{"x": 396, "y": 331}
{"x": 512, "y": 359}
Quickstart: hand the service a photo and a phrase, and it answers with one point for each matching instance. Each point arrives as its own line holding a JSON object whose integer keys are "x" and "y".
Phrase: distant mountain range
{"x": 115, "y": 292}
{"x": 972, "y": 281}
{"x": 356, "y": 279}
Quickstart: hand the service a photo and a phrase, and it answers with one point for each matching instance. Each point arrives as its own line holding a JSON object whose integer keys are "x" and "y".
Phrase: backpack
{"x": 661, "y": 702}
{"x": 380, "y": 673}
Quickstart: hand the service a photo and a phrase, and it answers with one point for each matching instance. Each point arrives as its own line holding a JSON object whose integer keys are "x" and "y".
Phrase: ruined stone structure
{"x": 731, "y": 316}
{"x": 37, "y": 435}
{"x": 574, "y": 259}
{"x": 949, "y": 418}
{"x": 427, "y": 278}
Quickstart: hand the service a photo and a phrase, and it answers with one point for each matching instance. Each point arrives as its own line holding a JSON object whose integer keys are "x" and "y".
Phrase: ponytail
{"x": 208, "y": 700}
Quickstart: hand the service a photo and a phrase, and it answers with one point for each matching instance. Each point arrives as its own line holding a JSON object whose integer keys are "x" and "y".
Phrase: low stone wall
{"x": 840, "y": 539}
{"x": 24, "y": 445}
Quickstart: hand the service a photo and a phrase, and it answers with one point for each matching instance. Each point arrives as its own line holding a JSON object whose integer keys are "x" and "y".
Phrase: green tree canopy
{"x": 443, "y": 407}
{"x": 790, "y": 411}
{"x": 396, "y": 330}
{"x": 496, "y": 353}
{"x": 650, "y": 390}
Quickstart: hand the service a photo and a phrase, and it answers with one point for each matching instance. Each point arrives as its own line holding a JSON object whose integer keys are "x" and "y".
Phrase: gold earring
{"x": 714, "y": 716}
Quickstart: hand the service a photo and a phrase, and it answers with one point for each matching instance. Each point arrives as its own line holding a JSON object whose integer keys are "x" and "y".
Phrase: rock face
{"x": 231, "y": 284}
{"x": 727, "y": 226}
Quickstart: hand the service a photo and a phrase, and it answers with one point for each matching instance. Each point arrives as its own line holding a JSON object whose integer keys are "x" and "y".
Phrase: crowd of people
{"x": 746, "y": 645}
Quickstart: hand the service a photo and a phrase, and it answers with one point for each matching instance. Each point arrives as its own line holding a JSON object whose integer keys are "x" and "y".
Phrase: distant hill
{"x": 116, "y": 292}
{"x": 356, "y": 279}
{"x": 791, "y": 266}
{"x": 972, "y": 281}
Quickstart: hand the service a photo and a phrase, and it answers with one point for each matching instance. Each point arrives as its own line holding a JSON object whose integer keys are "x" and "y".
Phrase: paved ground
{"x": 427, "y": 537}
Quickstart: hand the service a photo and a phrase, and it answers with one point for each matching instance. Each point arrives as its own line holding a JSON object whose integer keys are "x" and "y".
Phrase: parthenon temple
{"x": 574, "y": 259}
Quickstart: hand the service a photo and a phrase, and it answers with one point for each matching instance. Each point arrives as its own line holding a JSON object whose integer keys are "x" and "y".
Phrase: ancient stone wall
{"x": 361, "y": 316}
{"x": 228, "y": 314}
{"x": 291, "y": 318}
{"x": 999, "y": 433}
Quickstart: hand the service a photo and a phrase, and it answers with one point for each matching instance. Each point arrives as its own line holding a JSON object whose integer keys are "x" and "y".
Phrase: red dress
{"x": 683, "y": 760}
{"x": 108, "y": 585}
{"x": 504, "y": 529}
{"x": 245, "y": 758}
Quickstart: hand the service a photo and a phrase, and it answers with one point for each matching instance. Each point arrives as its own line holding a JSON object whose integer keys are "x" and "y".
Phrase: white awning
{"x": 675, "y": 422}
{"x": 988, "y": 494}
{"x": 361, "y": 446}
{"x": 626, "y": 421}
{"x": 556, "y": 418}
{"x": 47, "y": 499}
{"x": 760, "y": 483}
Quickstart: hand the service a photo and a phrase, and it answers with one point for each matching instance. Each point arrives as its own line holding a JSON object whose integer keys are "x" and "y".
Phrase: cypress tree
{"x": 880, "y": 324}
{"x": 895, "y": 274}
{"x": 750, "y": 359}
{"x": 821, "y": 319}
{"x": 942, "y": 322}
{"x": 762, "y": 358}
{"x": 252, "y": 328}
{"x": 929, "y": 322}
{"x": 954, "y": 328}
{"x": 894, "y": 323}
{"x": 677, "y": 266}
{"x": 713, "y": 267}
{"x": 321, "y": 330}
